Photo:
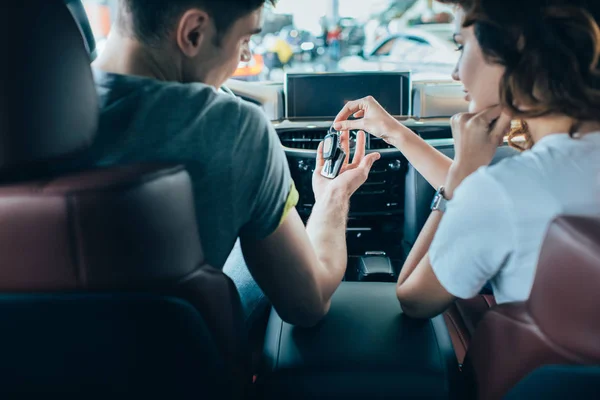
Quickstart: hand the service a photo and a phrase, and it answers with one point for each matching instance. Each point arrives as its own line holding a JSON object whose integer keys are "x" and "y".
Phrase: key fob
{"x": 331, "y": 145}
{"x": 333, "y": 155}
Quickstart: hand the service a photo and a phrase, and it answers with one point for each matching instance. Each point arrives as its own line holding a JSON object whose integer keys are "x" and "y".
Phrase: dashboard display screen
{"x": 322, "y": 96}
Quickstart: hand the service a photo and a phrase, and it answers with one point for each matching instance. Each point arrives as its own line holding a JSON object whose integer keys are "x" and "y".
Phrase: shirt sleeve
{"x": 265, "y": 184}
{"x": 474, "y": 238}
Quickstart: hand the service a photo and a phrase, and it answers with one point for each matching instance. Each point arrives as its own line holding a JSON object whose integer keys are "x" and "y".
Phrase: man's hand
{"x": 372, "y": 118}
{"x": 314, "y": 257}
{"x": 476, "y": 139}
{"x": 352, "y": 175}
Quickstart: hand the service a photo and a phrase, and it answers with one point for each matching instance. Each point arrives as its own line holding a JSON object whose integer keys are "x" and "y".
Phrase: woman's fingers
{"x": 489, "y": 115}
{"x": 501, "y": 128}
{"x": 349, "y": 125}
{"x": 350, "y": 108}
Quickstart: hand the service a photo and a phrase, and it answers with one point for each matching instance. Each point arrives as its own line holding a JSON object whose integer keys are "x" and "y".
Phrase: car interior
{"x": 105, "y": 292}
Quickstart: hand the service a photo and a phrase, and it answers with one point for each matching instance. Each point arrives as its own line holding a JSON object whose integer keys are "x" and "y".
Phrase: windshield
{"x": 337, "y": 36}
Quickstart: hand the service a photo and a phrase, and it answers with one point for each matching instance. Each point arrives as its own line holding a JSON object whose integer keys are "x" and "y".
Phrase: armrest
{"x": 364, "y": 348}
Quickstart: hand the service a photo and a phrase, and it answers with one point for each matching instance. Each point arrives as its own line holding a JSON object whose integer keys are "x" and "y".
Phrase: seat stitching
{"x": 458, "y": 331}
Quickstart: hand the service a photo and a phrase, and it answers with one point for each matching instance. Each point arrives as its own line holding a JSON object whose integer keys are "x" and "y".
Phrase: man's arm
{"x": 300, "y": 268}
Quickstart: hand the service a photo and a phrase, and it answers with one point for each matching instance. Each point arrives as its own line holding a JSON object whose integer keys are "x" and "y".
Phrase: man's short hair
{"x": 152, "y": 21}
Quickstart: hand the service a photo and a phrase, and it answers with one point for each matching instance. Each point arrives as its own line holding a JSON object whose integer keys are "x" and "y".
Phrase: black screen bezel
{"x": 405, "y": 93}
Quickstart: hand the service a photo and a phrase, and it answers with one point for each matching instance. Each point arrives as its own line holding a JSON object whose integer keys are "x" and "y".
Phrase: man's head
{"x": 209, "y": 37}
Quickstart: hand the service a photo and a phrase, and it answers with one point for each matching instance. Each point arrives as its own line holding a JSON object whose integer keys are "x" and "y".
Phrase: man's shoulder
{"x": 218, "y": 108}
{"x": 181, "y": 98}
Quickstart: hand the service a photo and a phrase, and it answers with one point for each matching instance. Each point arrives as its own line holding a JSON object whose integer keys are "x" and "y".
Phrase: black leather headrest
{"x": 48, "y": 102}
{"x": 80, "y": 16}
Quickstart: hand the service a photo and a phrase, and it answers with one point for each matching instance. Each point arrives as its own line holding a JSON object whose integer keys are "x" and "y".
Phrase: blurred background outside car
{"x": 337, "y": 36}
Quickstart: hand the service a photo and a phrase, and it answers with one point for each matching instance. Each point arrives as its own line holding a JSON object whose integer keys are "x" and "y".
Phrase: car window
{"x": 409, "y": 49}
{"x": 386, "y": 48}
{"x": 328, "y": 36}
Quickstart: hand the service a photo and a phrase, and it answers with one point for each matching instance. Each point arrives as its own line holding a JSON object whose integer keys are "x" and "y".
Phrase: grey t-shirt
{"x": 239, "y": 171}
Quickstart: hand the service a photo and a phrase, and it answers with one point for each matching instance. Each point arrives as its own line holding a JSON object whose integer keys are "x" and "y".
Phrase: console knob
{"x": 395, "y": 165}
{"x": 303, "y": 165}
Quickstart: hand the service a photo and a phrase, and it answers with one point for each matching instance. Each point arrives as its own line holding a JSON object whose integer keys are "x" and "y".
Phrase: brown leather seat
{"x": 103, "y": 290}
{"x": 558, "y": 324}
{"x": 462, "y": 318}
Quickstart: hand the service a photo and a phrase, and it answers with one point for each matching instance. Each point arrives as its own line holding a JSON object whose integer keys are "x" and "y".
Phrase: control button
{"x": 375, "y": 253}
{"x": 369, "y": 193}
{"x": 392, "y": 204}
{"x": 303, "y": 165}
{"x": 395, "y": 165}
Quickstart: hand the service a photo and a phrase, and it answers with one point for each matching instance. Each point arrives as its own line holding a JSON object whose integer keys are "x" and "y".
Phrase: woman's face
{"x": 481, "y": 80}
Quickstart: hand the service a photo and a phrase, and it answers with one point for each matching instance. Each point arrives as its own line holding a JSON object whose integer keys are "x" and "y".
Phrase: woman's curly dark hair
{"x": 551, "y": 52}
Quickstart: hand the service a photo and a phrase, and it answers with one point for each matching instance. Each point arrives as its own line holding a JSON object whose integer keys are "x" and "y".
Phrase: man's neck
{"x": 126, "y": 56}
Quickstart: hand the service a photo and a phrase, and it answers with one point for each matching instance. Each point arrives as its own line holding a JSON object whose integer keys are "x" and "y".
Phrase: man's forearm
{"x": 326, "y": 229}
{"x": 431, "y": 163}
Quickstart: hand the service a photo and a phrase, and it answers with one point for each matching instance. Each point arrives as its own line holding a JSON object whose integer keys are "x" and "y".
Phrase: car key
{"x": 333, "y": 154}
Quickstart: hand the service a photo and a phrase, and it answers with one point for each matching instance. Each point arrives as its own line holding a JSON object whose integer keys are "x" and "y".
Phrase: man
{"x": 157, "y": 79}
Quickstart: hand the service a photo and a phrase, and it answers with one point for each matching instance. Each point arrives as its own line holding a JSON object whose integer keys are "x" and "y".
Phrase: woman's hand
{"x": 372, "y": 118}
{"x": 352, "y": 175}
{"x": 476, "y": 139}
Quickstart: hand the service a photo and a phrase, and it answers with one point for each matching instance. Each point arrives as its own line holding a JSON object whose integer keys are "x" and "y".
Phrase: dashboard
{"x": 389, "y": 210}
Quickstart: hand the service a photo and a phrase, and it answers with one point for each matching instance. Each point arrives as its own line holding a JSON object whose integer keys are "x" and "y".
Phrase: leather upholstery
{"x": 558, "y": 324}
{"x": 363, "y": 349}
{"x": 107, "y": 346}
{"x": 124, "y": 229}
{"x": 558, "y": 382}
{"x": 462, "y": 318}
{"x": 130, "y": 228}
{"x": 105, "y": 229}
{"x": 48, "y": 107}
{"x": 80, "y": 16}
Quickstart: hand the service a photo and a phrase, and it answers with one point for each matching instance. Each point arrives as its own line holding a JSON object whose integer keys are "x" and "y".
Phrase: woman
{"x": 538, "y": 68}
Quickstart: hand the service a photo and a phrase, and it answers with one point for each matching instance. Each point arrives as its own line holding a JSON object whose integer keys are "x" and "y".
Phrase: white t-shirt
{"x": 494, "y": 226}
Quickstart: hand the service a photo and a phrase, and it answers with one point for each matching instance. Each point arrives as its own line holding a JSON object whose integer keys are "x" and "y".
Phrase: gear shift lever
{"x": 375, "y": 267}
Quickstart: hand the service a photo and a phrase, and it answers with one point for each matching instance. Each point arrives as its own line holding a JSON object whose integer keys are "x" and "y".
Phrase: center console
{"x": 365, "y": 348}
{"x": 378, "y": 209}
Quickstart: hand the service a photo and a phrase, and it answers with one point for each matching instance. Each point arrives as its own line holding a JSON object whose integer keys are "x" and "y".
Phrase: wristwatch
{"x": 439, "y": 200}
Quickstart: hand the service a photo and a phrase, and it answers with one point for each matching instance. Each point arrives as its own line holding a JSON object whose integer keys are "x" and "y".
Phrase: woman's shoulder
{"x": 501, "y": 181}
{"x": 513, "y": 166}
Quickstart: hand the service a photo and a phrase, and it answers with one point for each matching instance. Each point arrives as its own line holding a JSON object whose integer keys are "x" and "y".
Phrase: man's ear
{"x": 193, "y": 28}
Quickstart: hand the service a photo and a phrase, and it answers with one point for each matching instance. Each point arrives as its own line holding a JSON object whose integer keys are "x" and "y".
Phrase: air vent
{"x": 310, "y": 139}
{"x": 306, "y": 140}
{"x": 378, "y": 144}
